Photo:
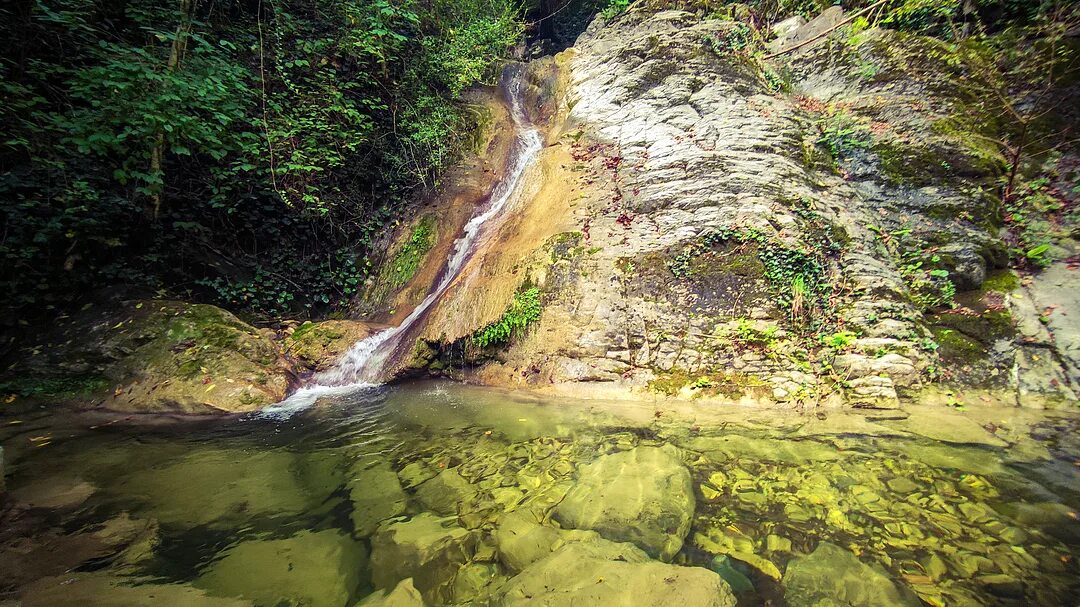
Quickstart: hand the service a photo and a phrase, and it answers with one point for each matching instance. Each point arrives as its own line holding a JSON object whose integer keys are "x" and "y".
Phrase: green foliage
{"x": 615, "y": 7}
{"x": 1036, "y": 216}
{"x": 841, "y": 340}
{"x": 289, "y": 134}
{"x": 842, "y": 135}
{"x": 522, "y": 311}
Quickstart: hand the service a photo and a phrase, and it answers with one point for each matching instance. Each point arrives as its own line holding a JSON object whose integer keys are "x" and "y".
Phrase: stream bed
{"x": 438, "y": 493}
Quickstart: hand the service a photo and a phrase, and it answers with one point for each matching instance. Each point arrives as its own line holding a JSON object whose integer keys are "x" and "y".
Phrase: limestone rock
{"x": 642, "y": 496}
{"x": 102, "y": 590}
{"x": 376, "y": 495}
{"x": 320, "y": 569}
{"x": 426, "y": 548}
{"x": 833, "y": 576}
{"x": 608, "y": 573}
{"x": 403, "y": 595}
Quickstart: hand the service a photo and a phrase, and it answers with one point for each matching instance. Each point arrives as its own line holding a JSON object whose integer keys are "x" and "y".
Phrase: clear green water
{"x": 283, "y": 512}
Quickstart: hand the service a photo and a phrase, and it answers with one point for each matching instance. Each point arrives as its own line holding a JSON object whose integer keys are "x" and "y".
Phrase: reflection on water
{"x": 441, "y": 494}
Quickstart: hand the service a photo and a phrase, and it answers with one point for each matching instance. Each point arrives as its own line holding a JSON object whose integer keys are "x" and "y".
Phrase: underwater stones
{"x": 376, "y": 495}
{"x": 320, "y": 569}
{"x": 426, "y": 548}
{"x": 403, "y": 595}
{"x": 601, "y": 572}
{"x": 416, "y": 473}
{"x": 444, "y": 492}
{"x": 776, "y": 543}
{"x": 102, "y": 590}
{"x": 522, "y": 540}
{"x": 213, "y": 486}
{"x": 831, "y": 575}
{"x": 642, "y": 496}
{"x": 902, "y": 484}
{"x": 58, "y": 493}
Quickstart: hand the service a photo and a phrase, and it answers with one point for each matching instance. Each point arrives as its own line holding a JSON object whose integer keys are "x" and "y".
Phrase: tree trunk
{"x": 176, "y": 53}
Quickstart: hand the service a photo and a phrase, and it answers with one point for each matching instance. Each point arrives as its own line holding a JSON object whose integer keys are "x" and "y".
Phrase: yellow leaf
{"x": 138, "y": 305}
{"x": 10, "y": 398}
{"x": 211, "y": 387}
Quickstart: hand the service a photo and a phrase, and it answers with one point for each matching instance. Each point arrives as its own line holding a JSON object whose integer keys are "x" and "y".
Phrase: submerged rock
{"x": 833, "y": 576}
{"x": 217, "y": 486}
{"x": 426, "y": 548}
{"x": 103, "y": 590}
{"x": 601, "y": 572}
{"x": 322, "y": 569}
{"x": 522, "y": 540}
{"x": 376, "y": 495}
{"x": 642, "y": 496}
{"x": 443, "y": 493}
{"x": 58, "y": 492}
{"x": 403, "y": 595}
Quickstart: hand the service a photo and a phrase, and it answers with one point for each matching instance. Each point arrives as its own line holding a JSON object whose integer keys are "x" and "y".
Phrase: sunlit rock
{"x": 403, "y": 595}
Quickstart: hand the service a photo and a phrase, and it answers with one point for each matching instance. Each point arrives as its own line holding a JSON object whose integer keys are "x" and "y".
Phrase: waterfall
{"x": 362, "y": 366}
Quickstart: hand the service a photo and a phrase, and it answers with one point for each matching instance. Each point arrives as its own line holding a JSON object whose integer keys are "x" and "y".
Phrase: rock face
{"x": 642, "y": 496}
{"x": 426, "y": 548}
{"x": 322, "y": 569}
{"x": 608, "y": 573}
{"x": 316, "y": 346}
{"x": 522, "y": 540}
{"x": 833, "y": 576}
{"x": 715, "y": 206}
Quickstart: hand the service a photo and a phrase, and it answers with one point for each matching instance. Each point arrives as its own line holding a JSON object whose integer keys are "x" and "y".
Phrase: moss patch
{"x": 1005, "y": 281}
{"x": 729, "y": 384}
{"x": 405, "y": 264}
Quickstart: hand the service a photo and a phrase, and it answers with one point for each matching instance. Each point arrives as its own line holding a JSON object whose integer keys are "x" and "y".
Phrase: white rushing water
{"x": 362, "y": 366}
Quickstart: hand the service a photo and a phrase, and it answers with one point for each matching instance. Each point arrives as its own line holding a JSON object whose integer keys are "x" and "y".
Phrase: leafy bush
{"x": 227, "y": 152}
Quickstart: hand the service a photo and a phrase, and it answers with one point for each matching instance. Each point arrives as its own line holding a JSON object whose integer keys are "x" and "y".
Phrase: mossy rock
{"x": 190, "y": 358}
{"x": 316, "y": 346}
{"x": 986, "y": 328}
{"x": 955, "y": 347}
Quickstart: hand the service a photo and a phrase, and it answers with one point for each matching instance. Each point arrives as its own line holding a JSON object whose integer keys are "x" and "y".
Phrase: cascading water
{"x": 362, "y": 366}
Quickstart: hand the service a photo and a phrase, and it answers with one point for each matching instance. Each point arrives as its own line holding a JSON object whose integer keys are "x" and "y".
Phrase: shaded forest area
{"x": 245, "y": 153}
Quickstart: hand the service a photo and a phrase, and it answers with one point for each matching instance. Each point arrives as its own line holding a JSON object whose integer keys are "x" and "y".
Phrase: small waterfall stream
{"x": 363, "y": 365}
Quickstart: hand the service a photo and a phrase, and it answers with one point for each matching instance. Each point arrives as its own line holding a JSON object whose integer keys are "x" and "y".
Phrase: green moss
{"x": 523, "y": 310}
{"x": 954, "y": 346}
{"x": 1004, "y": 281}
{"x": 729, "y": 384}
{"x": 407, "y": 261}
{"x": 986, "y": 328}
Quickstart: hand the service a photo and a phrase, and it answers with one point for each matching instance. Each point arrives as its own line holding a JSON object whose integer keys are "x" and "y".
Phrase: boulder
{"x": 403, "y": 595}
{"x": 643, "y": 496}
{"x": 426, "y": 548}
{"x": 320, "y": 569}
{"x": 601, "y": 572}
{"x": 831, "y": 575}
{"x": 444, "y": 492}
{"x": 190, "y": 358}
{"x": 376, "y": 495}
{"x": 103, "y": 590}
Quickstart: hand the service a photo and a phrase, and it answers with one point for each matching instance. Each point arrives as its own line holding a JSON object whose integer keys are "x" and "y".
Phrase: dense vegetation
{"x": 242, "y": 152}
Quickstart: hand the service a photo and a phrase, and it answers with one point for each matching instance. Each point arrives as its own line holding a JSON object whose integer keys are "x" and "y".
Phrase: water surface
{"x": 287, "y": 511}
